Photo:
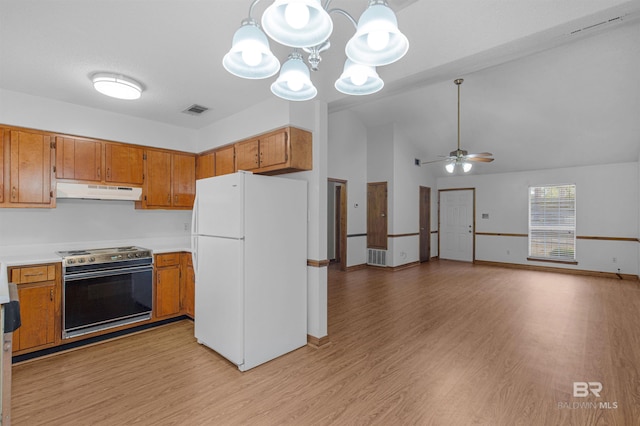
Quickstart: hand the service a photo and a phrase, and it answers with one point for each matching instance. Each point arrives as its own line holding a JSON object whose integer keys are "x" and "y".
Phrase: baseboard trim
{"x": 356, "y": 267}
{"x": 405, "y": 266}
{"x": 629, "y": 277}
{"x": 317, "y": 342}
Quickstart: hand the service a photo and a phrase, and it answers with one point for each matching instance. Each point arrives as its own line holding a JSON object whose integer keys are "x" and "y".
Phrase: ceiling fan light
{"x": 116, "y": 86}
{"x": 377, "y": 41}
{"x": 449, "y": 167}
{"x": 250, "y": 56}
{"x": 358, "y": 79}
{"x": 294, "y": 83}
{"x": 297, "y": 23}
{"x": 466, "y": 167}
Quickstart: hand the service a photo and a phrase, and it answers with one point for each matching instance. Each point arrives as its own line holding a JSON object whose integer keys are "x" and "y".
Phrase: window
{"x": 552, "y": 222}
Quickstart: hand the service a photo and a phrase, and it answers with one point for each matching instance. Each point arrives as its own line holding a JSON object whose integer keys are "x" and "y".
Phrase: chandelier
{"x": 305, "y": 26}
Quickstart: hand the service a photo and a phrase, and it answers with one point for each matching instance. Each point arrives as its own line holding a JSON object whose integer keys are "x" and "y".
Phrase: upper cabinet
{"x": 78, "y": 159}
{"x": 30, "y": 180}
{"x": 124, "y": 164}
{"x": 170, "y": 180}
{"x": 206, "y": 165}
{"x": 281, "y": 151}
{"x": 225, "y": 160}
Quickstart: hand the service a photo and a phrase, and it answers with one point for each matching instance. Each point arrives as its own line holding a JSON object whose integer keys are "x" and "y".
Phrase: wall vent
{"x": 376, "y": 257}
{"x": 195, "y": 109}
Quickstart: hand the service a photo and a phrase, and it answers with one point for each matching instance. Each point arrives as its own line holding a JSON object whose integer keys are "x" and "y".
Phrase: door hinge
{"x": 54, "y": 169}
{"x": 53, "y": 144}
{"x": 51, "y": 194}
{"x": 144, "y": 156}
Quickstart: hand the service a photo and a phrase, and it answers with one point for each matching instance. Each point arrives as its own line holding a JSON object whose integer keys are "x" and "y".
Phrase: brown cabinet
{"x": 188, "y": 285}
{"x": 171, "y": 179}
{"x": 282, "y": 151}
{"x": 167, "y": 286}
{"x": 1, "y": 166}
{"x": 124, "y": 164}
{"x": 206, "y": 165}
{"x": 225, "y": 160}
{"x": 40, "y": 300}
{"x": 78, "y": 159}
{"x": 30, "y": 178}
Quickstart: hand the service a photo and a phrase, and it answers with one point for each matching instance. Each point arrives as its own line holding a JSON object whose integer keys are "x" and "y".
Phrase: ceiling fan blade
{"x": 435, "y": 161}
{"x": 479, "y": 159}
{"x": 480, "y": 154}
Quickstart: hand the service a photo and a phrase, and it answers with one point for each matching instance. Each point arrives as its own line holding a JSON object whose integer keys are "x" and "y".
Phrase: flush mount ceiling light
{"x": 116, "y": 85}
{"x": 306, "y": 25}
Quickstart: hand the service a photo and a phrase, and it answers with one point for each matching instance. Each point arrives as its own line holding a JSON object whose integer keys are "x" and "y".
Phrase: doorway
{"x": 425, "y": 224}
{"x": 456, "y": 224}
{"x": 377, "y": 215}
{"x": 337, "y": 222}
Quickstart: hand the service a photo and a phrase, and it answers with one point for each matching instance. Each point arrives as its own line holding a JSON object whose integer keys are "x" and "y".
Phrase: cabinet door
{"x": 78, "y": 159}
{"x": 205, "y": 166}
{"x": 37, "y": 314}
{"x": 225, "y": 163}
{"x": 158, "y": 185}
{"x": 247, "y": 155}
{"x": 273, "y": 149}
{"x": 1, "y": 166}
{"x": 30, "y": 175}
{"x": 188, "y": 289}
{"x": 167, "y": 291}
{"x": 184, "y": 180}
{"x": 124, "y": 164}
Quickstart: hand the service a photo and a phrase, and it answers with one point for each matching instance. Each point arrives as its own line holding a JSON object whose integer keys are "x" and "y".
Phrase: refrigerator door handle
{"x": 194, "y": 241}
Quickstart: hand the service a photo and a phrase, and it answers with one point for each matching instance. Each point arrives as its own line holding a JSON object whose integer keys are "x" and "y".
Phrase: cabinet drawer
{"x": 167, "y": 259}
{"x": 33, "y": 274}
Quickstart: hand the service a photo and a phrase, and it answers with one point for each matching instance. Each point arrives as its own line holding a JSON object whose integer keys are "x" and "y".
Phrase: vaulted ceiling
{"x": 547, "y": 83}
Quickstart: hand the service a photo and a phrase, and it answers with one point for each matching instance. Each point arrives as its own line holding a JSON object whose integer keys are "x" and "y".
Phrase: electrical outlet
{"x": 615, "y": 260}
{"x": 508, "y": 252}
{"x": 186, "y": 226}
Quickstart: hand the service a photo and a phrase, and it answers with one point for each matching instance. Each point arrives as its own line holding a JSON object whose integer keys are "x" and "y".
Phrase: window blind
{"x": 552, "y": 222}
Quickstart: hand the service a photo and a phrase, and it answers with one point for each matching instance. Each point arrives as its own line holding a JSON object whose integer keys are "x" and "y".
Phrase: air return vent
{"x": 376, "y": 257}
{"x": 195, "y": 109}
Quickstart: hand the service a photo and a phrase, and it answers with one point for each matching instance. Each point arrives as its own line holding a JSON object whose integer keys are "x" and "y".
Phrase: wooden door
{"x": 273, "y": 149}
{"x": 456, "y": 224}
{"x": 78, "y": 159}
{"x": 1, "y": 165}
{"x": 167, "y": 291}
{"x": 377, "y": 215}
{"x": 247, "y": 155}
{"x": 30, "y": 175}
{"x": 206, "y": 165}
{"x": 425, "y": 224}
{"x": 158, "y": 185}
{"x": 184, "y": 180}
{"x": 124, "y": 164}
{"x": 225, "y": 162}
{"x": 37, "y": 314}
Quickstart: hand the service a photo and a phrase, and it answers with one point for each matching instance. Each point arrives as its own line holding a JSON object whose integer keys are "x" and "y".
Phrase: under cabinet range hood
{"x": 97, "y": 192}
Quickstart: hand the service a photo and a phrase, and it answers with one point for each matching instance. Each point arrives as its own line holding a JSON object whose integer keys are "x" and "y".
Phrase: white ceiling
{"x": 534, "y": 95}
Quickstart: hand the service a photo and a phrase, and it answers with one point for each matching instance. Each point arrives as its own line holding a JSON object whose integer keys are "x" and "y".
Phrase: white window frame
{"x": 555, "y": 239}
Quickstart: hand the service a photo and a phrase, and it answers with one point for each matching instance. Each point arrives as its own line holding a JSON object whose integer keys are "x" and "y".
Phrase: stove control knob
{"x": 81, "y": 260}
{"x": 70, "y": 261}
{"x": 130, "y": 256}
{"x": 92, "y": 259}
{"x": 138, "y": 254}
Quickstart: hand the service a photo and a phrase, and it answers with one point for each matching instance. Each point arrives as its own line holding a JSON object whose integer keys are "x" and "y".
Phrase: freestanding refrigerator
{"x": 249, "y": 245}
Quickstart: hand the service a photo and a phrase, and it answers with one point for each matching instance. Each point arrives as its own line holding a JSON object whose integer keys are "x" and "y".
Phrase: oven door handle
{"x": 107, "y": 273}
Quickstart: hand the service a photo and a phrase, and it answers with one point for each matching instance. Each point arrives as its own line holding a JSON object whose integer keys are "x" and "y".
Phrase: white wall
{"x": 19, "y": 109}
{"x": 347, "y": 160}
{"x": 606, "y": 206}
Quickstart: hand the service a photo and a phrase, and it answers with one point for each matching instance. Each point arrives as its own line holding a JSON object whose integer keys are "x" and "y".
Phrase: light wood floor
{"x": 445, "y": 343}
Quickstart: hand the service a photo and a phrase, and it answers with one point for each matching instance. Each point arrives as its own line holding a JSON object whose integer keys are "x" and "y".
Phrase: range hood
{"x": 97, "y": 192}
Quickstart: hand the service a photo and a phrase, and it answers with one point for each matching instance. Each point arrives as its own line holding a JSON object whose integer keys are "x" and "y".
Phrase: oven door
{"x": 94, "y": 301}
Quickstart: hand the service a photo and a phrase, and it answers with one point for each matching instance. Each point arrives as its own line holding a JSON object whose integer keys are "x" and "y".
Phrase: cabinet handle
{"x": 98, "y": 172}
{"x": 34, "y": 275}
{"x": 175, "y": 199}
{"x": 13, "y": 193}
{"x": 169, "y": 199}
{"x": 108, "y": 173}
{"x": 51, "y": 295}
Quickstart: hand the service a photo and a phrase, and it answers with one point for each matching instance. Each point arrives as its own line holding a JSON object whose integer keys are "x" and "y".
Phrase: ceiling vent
{"x": 195, "y": 109}
{"x": 615, "y": 20}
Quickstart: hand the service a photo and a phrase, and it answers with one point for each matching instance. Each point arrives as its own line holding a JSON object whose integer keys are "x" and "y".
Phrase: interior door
{"x": 425, "y": 224}
{"x": 377, "y": 215}
{"x": 456, "y": 230}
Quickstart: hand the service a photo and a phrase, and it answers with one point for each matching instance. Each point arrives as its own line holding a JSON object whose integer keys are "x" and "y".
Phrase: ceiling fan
{"x": 461, "y": 158}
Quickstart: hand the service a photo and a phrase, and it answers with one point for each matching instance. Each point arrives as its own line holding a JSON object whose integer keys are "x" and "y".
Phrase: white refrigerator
{"x": 249, "y": 245}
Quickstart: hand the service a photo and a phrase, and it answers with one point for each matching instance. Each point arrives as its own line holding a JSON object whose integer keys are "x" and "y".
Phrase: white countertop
{"x": 46, "y": 253}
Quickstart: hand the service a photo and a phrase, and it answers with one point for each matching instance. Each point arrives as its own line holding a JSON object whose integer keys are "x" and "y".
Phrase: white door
{"x": 456, "y": 225}
{"x": 219, "y": 296}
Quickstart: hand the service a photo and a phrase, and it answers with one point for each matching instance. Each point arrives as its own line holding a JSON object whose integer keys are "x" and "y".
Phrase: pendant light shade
{"x": 116, "y": 86}
{"x": 357, "y": 79}
{"x": 250, "y": 56}
{"x": 377, "y": 41}
{"x": 297, "y": 23}
{"x": 294, "y": 83}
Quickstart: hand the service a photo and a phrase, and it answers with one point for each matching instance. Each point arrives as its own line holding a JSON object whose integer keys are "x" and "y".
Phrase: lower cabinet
{"x": 174, "y": 285}
{"x": 188, "y": 289}
{"x": 40, "y": 300}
